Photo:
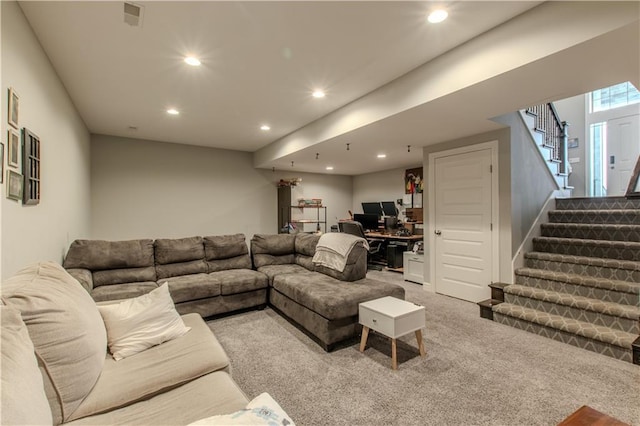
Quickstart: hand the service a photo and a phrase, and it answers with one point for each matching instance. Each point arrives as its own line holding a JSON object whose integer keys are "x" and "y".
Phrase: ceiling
{"x": 261, "y": 60}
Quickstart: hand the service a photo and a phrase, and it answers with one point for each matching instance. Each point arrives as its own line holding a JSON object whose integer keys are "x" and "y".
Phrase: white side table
{"x": 393, "y": 318}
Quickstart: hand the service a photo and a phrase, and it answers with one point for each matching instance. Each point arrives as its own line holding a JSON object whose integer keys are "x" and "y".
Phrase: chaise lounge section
{"x": 322, "y": 301}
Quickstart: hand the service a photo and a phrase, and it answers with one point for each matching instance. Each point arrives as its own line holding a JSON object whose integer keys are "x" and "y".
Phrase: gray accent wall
{"x": 150, "y": 189}
{"x": 42, "y": 232}
{"x": 531, "y": 183}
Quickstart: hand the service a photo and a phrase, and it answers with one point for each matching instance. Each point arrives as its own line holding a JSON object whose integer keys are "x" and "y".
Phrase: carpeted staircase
{"x": 581, "y": 284}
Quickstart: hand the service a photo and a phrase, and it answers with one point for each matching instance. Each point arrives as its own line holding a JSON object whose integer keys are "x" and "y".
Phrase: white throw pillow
{"x": 262, "y": 410}
{"x": 142, "y": 322}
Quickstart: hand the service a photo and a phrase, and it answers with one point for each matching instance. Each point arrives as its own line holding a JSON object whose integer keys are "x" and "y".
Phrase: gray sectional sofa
{"x": 206, "y": 275}
{"x": 216, "y": 275}
{"x": 321, "y": 301}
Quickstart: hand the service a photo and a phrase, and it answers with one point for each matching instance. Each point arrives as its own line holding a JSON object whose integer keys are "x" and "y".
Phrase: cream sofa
{"x": 72, "y": 379}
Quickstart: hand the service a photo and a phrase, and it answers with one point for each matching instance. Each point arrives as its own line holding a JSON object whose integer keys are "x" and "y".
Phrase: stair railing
{"x": 555, "y": 134}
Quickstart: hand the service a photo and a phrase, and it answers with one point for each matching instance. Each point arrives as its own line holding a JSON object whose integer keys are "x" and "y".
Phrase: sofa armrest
{"x": 84, "y": 277}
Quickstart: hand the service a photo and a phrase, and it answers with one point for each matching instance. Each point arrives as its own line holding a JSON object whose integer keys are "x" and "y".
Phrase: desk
{"x": 393, "y": 260}
{"x": 393, "y": 237}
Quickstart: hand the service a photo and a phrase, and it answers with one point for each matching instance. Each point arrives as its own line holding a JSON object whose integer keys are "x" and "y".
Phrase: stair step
{"x": 621, "y": 250}
{"x": 612, "y": 269}
{"x": 609, "y": 290}
{"x": 611, "y": 232}
{"x": 604, "y": 340}
{"x": 594, "y": 311}
{"x": 486, "y": 306}
{"x": 620, "y": 216}
{"x": 597, "y": 203}
{"x": 497, "y": 291}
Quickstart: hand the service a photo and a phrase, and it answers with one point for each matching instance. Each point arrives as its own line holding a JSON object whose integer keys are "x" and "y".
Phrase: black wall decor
{"x": 31, "y": 167}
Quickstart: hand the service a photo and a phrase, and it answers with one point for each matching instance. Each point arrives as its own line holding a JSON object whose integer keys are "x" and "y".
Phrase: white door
{"x": 623, "y": 148}
{"x": 462, "y": 226}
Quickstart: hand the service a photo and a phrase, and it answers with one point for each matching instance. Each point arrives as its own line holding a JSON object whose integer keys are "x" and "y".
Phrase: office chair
{"x": 375, "y": 245}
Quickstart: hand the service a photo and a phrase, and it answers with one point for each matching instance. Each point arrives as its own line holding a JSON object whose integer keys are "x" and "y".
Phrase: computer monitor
{"x": 372, "y": 208}
{"x": 389, "y": 208}
{"x": 368, "y": 221}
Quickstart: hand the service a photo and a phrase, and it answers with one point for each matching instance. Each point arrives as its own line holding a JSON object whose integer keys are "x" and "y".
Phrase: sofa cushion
{"x": 176, "y": 250}
{"x": 122, "y": 291}
{"x": 156, "y": 370}
{"x": 192, "y": 287}
{"x": 236, "y": 281}
{"x": 98, "y": 254}
{"x": 305, "y": 244}
{"x": 271, "y": 271}
{"x": 214, "y": 393}
{"x": 225, "y": 246}
{"x": 179, "y": 256}
{"x": 123, "y": 276}
{"x": 332, "y": 298}
{"x": 23, "y": 399}
{"x": 272, "y": 249}
{"x": 224, "y": 252}
{"x": 182, "y": 268}
{"x": 66, "y": 330}
{"x": 134, "y": 325}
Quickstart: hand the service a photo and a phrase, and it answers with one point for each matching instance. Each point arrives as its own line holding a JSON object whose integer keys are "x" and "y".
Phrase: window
{"x": 613, "y": 97}
{"x": 598, "y": 163}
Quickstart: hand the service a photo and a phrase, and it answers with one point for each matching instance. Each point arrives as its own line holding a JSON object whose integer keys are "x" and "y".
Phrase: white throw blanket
{"x": 333, "y": 249}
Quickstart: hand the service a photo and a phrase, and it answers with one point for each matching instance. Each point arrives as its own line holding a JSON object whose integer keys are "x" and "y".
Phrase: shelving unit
{"x": 319, "y": 221}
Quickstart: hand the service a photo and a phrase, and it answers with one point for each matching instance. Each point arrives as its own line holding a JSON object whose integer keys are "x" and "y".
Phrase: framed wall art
{"x": 14, "y": 108}
{"x": 14, "y": 185}
{"x": 13, "y": 154}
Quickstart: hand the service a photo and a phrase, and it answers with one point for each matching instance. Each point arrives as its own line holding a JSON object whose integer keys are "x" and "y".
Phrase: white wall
{"x": 387, "y": 185}
{"x": 335, "y": 191}
{"x": 148, "y": 189}
{"x": 43, "y": 231}
{"x": 572, "y": 110}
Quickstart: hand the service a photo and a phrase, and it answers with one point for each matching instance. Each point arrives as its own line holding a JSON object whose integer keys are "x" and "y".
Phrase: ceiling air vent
{"x": 133, "y": 14}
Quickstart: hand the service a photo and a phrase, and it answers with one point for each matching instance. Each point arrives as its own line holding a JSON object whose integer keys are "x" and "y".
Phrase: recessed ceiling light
{"x": 318, "y": 94}
{"x": 382, "y": 155}
{"x": 329, "y": 167}
{"x": 192, "y": 60}
{"x": 438, "y": 15}
{"x": 173, "y": 111}
{"x": 265, "y": 127}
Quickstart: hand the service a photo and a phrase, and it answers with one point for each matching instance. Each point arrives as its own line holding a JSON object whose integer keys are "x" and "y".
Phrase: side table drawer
{"x": 376, "y": 321}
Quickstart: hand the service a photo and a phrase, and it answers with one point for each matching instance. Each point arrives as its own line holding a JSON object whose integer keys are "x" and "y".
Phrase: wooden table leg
{"x": 420, "y": 342}
{"x": 363, "y": 340}
{"x": 394, "y": 357}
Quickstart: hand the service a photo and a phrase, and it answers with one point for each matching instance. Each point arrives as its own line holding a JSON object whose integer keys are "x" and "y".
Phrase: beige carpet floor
{"x": 476, "y": 372}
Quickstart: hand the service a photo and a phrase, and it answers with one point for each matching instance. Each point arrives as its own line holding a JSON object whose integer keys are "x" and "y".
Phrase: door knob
{"x": 438, "y": 232}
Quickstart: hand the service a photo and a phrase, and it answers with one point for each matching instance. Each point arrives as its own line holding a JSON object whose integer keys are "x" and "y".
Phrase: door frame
{"x": 495, "y": 205}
